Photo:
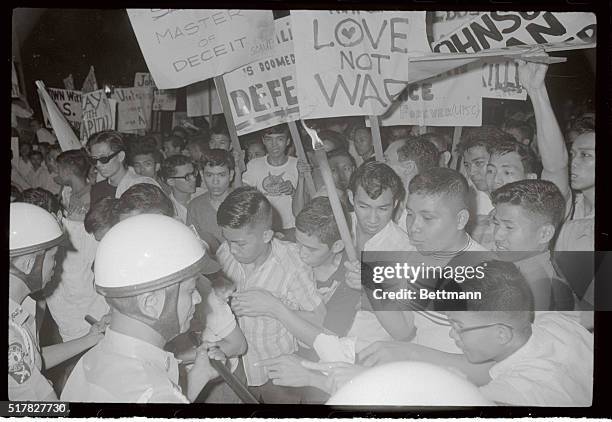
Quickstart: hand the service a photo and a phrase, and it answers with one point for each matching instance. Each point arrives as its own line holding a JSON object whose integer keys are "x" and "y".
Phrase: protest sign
{"x": 501, "y": 29}
{"x": 14, "y": 82}
{"x": 353, "y": 62}
{"x": 90, "y": 84}
{"x": 449, "y": 99}
{"x": 63, "y": 131}
{"x": 98, "y": 114}
{"x": 130, "y": 111}
{"x": 69, "y": 82}
{"x": 164, "y": 100}
{"x": 203, "y": 99}
{"x": 68, "y": 103}
{"x": 444, "y": 23}
{"x": 183, "y": 46}
{"x": 144, "y": 79}
{"x": 263, "y": 93}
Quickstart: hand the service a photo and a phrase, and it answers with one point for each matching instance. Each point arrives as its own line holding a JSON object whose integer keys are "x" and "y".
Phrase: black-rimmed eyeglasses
{"x": 103, "y": 160}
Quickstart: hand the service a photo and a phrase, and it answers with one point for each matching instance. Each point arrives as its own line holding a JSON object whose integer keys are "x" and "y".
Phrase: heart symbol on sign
{"x": 348, "y": 32}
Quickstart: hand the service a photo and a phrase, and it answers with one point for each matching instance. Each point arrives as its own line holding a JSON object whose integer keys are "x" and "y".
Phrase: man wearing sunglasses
{"x": 180, "y": 174}
{"x": 106, "y": 151}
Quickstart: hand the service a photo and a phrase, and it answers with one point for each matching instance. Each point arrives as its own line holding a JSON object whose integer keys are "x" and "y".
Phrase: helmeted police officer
{"x": 146, "y": 266}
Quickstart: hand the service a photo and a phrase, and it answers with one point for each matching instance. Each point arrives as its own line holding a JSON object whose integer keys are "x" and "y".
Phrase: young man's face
{"x": 217, "y": 179}
{"x": 256, "y": 151}
{"x": 184, "y": 179}
{"x": 246, "y": 243}
{"x": 363, "y": 142}
{"x": 63, "y": 175}
{"x": 515, "y": 230}
{"x": 342, "y": 168}
{"x": 313, "y": 252}
{"x": 170, "y": 149}
{"x": 478, "y": 345}
{"x": 373, "y": 214}
{"x": 188, "y": 298}
{"x": 145, "y": 165}
{"x": 36, "y": 161}
{"x": 193, "y": 151}
{"x": 583, "y": 162}
{"x": 51, "y": 162}
{"x": 113, "y": 166}
{"x": 503, "y": 169}
{"x": 276, "y": 144}
{"x": 220, "y": 141}
{"x": 475, "y": 161}
{"x": 431, "y": 222}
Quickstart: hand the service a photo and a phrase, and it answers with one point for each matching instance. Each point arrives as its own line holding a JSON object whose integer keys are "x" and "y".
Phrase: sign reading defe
{"x": 183, "y": 46}
{"x": 353, "y": 62}
{"x": 263, "y": 93}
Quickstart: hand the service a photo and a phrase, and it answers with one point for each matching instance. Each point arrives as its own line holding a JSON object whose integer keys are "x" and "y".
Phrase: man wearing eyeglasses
{"x": 107, "y": 154}
{"x": 180, "y": 174}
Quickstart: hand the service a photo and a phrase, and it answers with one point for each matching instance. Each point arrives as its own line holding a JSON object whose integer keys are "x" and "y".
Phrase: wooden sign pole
{"x": 376, "y": 139}
{"x": 227, "y": 111}
{"x": 454, "y": 164}
{"x": 299, "y": 150}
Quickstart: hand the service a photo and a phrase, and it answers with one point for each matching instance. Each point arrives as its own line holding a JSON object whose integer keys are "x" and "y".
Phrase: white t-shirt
{"x": 554, "y": 367}
{"x": 268, "y": 178}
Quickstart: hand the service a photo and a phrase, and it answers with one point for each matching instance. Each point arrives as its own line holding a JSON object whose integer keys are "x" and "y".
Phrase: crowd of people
{"x": 138, "y": 259}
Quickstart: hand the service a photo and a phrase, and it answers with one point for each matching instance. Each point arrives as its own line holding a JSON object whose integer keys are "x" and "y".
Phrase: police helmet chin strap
{"x": 33, "y": 280}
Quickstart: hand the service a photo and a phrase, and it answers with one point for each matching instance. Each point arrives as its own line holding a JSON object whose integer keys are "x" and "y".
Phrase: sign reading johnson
{"x": 183, "y": 46}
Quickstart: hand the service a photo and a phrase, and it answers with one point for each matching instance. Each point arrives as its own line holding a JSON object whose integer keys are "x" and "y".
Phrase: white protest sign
{"x": 449, "y": 99}
{"x": 144, "y": 79}
{"x": 98, "y": 114}
{"x": 263, "y": 93}
{"x": 69, "y": 104}
{"x": 90, "y": 83}
{"x": 446, "y": 22}
{"x": 203, "y": 99}
{"x": 14, "y": 82}
{"x": 66, "y": 136}
{"x": 183, "y": 46}
{"x": 130, "y": 111}
{"x": 164, "y": 100}
{"x": 501, "y": 29}
{"x": 353, "y": 62}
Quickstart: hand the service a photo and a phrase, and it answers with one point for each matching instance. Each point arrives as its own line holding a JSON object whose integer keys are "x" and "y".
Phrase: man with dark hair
{"x": 38, "y": 175}
{"x": 107, "y": 153}
{"x": 218, "y": 173}
{"x": 173, "y": 145}
{"x": 526, "y": 217}
{"x": 414, "y": 156}
{"x": 443, "y": 145}
{"x": 521, "y": 131}
{"x": 73, "y": 169}
{"x": 271, "y": 281}
{"x": 180, "y": 174}
{"x": 276, "y": 176}
{"x": 511, "y": 161}
{"x": 220, "y": 138}
{"x": 101, "y": 217}
{"x": 143, "y": 198}
{"x": 196, "y": 146}
{"x": 145, "y": 158}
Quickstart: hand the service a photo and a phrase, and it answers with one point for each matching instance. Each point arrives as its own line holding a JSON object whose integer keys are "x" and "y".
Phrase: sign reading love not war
{"x": 69, "y": 103}
{"x": 502, "y": 29}
{"x": 449, "y": 99}
{"x": 130, "y": 111}
{"x": 98, "y": 115}
{"x": 183, "y": 46}
{"x": 263, "y": 93}
{"x": 353, "y": 62}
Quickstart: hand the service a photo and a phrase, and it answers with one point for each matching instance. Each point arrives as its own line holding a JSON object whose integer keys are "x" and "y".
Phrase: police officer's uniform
{"x": 124, "y": 369}
{"x": 25, "y": 380}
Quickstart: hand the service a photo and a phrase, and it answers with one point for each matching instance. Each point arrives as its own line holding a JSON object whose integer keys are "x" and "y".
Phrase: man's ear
{"x": 546, "y": 233}
{"x": 337, "y": 246}
{"x": 463, "y": 217}
{"x": 151, "y": 304}
{"x": 349, "y": 193}
{"x": 268, "y": 235}
{"x": 504, "y": 335}
{"x": 231, "y": 175}
{"x": 121, "y": 156}
{"x": 444, "y": 159}
{"x": 531, "y": 176}
{"x": 157, "y": 167}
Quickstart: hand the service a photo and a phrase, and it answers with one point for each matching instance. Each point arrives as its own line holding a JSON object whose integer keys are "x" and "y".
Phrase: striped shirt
{"x": 285, "y": 276}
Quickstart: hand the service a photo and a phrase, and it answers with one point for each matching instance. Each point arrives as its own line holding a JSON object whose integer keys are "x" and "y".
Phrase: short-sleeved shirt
{"x": 285, "y": 276}
{"x": 124, "y": 369}
{"x": 577, "y": 235}
{"x": 553, "y": 368}
{"x": 268, "y": 178}
{"x": 390, "y": 238}
{"x": 25, "y": 380}
{"x": 203, "y": 216}
{"x": 180, "y": 210}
